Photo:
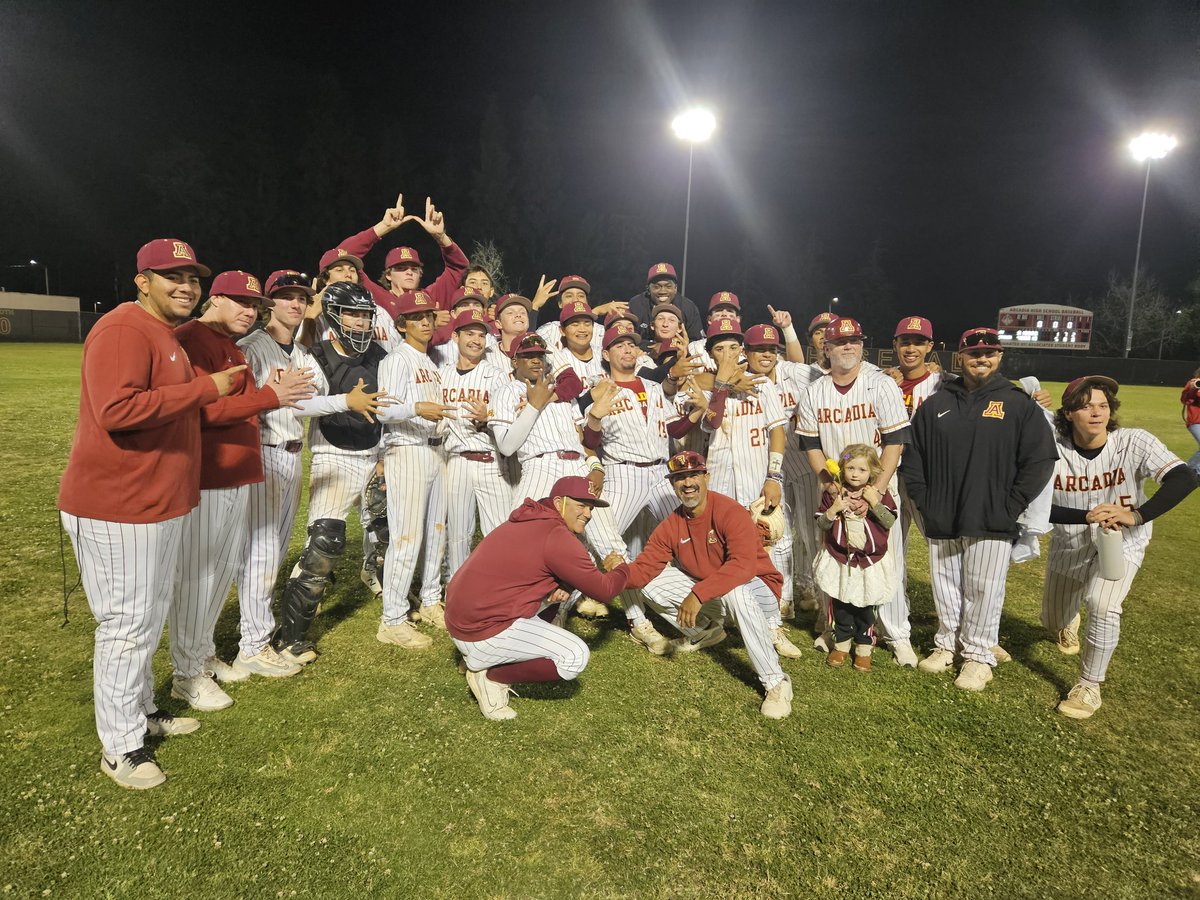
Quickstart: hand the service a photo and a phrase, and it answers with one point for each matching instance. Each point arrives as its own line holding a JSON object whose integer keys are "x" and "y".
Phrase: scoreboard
{"x": 1045, "y": 327}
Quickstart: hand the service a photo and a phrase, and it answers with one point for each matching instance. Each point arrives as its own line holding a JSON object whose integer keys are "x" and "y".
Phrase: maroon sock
{"x": 548, "y": 614}
{"x": 541, "y": 669}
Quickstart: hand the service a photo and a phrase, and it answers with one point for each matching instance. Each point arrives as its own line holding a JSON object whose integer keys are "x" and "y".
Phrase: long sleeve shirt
{"x": 454, "y": 263}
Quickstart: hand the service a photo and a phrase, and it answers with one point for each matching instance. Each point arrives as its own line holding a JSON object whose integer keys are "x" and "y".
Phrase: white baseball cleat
{"x": 904, "y": 655}
{"x": 265, "y": 662}
{"x": 402, "y": 635}
{"x": 938, "y": 661}
{"x": 783, "y": 645}
{"x": 713, "y": 635}
{"x": 1068, "y": 638}
{"x": 778, "y": 702}
{"x": 590, "y": 608}
{"x": 491, "y": 696}
{"x": 1002, "y": 655}
{"x": 974, "y": 676}
{"x": 434, "y": 614}
{"x": 162, "y": 724}
{"x": 823, "y": 642}
{"x": 136, "y": 770}
{"x": 1081, "y": 702}
{"x": 200, "y": 692}
{"x": 300, "y": 653}
{"x": 647, "y": 635}
{"x": 223, "y": 671}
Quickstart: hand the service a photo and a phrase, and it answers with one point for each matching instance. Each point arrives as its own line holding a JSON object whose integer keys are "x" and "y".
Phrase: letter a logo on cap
{"x": 421, "y": 298}
{"x": 405, "y": 253}
{"x": 342, "y": 252}
{"x": 252, "y": 284}
{"x": 727, "y": 324}
{"x": 914, "y": 324}
{"x": 847, "y": 327}
{"x": 660, "y": 268}
{"x": 592, "y": 490}
{"x": 180, "y": 250}
{"x": 769, "y": 333}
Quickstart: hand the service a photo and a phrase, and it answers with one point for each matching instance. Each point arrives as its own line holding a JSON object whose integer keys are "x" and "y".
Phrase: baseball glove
{"x": 770, "y": 525}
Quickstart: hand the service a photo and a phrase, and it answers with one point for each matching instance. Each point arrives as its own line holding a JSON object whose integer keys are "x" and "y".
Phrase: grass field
{"x": 372, "y": 772}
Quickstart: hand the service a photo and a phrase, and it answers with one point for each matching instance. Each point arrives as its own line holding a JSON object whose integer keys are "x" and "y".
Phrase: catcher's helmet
{"x": 342, "y": 297}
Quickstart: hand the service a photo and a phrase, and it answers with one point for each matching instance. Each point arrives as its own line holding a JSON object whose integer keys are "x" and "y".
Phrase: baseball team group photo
{"x": 428, "y": 549}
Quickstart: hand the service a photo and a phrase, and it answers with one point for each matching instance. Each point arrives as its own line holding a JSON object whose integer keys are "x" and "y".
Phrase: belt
{"x": 562, "y": 454}
{"x": 477, "y": 455}
{"x": 621, "y": 462}
{"x": 435, "y": 441}
{"x": 290, "y": 446}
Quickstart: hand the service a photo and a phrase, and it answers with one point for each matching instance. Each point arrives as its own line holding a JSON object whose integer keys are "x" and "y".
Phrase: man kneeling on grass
{"x": 501, "y": 603}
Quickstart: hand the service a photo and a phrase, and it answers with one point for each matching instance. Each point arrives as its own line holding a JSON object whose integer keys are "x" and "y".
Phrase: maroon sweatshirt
{"x": 443, "y": 288}
{"x": 516, "y": 567}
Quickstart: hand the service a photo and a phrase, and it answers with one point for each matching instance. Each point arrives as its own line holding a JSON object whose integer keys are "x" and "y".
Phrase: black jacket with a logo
{"x": 977, "y": 459}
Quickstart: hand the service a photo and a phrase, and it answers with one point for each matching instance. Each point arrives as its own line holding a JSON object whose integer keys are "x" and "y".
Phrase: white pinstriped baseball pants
{"x": 744, "y": 605}
{"x": 214, "y": 544}
{"x": 128, "y": 574}
{"x": 524, "y": 639}
{"x": 336, "y": 482}
{"x": 969, "y": 576}
{"x": 415, "y": 478}
{"x": 473, "y": 486}
{"x": 1104, "y": 601}
{"x": 271, "y": 513}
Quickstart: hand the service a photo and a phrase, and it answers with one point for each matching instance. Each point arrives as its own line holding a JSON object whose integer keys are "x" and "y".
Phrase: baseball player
{"x": 1099, "y": 483}
{"x": 575, "y": 349}
{"x": 722, "y": 306}
{"x": 473, "y": 469}
{"x": 512, "y": 314}
{"x": 345, "y": 450}
{"x": 498, "y": 604}
{"x": 415, "y": 473}
{"x": 443, "y": 348}
{"x": 662, "y": 286}
{"x": 274, "y": 500}
{"x": 981, "y": 451}
{"x": 857, "y": 404}
{"x": 132, "y": 477}
{"x": 572, "y": 289}
{"x": 704, "y": 562}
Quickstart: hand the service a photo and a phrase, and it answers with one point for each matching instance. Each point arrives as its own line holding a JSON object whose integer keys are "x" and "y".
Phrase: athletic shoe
{"x": 491, "y": 696}
{"x": 200, "y": 692}
{"x": 712, "y": 636}
{"x": 778, "y": 703}
{"x": 162, "y": 724}
{"x": 783, "y": 646}
{"x": 1002, "y": 655}
{"x": 434, "y": 614}
{"x": 265, "y": 662}
{"x": 1068, "y": 638}
{"x": 862, "y": 663}
{"x": 591, "y": 609}
{"x": 647, "y": 635}
{"x": 936, "y": 662}
{"x": 223, "y": 671}
{"x": 974, "y": 676}
{"x": 823, "y": 642}
{"x": 1081, "y": 702}
{"x": 836, "y": 659}
{"x": 136, "y": 770}
{"x": 402, "y": 635}
{"x": 370, "y": 579}
{"x": 903, "y": 654}
{"x": 300, "y": 653}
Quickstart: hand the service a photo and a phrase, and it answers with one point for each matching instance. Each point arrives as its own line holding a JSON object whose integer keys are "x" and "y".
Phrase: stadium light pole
{"x": 695, "y": 126}
{"x": 1146, "y": 147}
{"x": 831, "y": 305}
{"x": 34, "y": 264}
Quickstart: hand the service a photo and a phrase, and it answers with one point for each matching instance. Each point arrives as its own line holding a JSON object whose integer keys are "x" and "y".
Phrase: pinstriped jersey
{"x": 792, "y": 380}
{"x": 917, "y": 392}
{"x": 1117, "y": 475}
{"x": 461, "y": 388}
{"x": 551, "y": 333}
{"x": 264, "y": 355}
{"x": 409, "y": 376}
{"x": 447, "y": 354}
{"x": 636, "y": 428}
{"x": 590, "y": 371}
{"x": 699, "y": 349}
{"x": 738, "y": 450}
{"x": 555, "y": 429}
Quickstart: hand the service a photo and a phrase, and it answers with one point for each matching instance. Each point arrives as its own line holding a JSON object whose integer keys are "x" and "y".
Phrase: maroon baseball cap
{"x": 612, "y": 318}
{"x": 576, "y": 309}
{"x": 510, "y": 299}
{"x": 462, "y": 297}
{"x": 402, "y": 256}
{"x": 980, "y": 339}
{"x": 659, "y": 271}
{"x": 763, "y": 336}
{"x": 337, "y": 256}
{"x": 165, "y": 254}
{"x": 685, "y": 463}
{"x": 820, "y": 320}
{"x": 842, "y": 327}
{"x": 1088, "y": 382}
{"x": 528, "y": 344}
{"x": 724, "y": 300}
{"x": 915, "y": 325}
{"x": 470, "y": 317}
{"x": 577, "y": 488}
{"x": 412, "y": 302}
{"x": 574, "y": 281}
{"x": 722, "y": 328}
{"x": 665, "y": 348}
{"x": 238, "y": 284}
{"x": 622, "y": 330}
{"x": 288, "y": 278}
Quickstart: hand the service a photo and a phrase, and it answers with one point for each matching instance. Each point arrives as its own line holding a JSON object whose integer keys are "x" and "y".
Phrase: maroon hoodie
{"x": 516, "y": 567}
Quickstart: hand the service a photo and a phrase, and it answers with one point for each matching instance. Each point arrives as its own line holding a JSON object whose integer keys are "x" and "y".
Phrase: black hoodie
{"x": 977, "y": 459}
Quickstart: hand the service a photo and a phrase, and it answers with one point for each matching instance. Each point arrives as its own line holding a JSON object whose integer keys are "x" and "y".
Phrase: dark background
{"x": 936, "y": 158}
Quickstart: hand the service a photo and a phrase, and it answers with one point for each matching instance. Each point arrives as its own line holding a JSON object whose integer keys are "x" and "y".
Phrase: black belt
{"x": 290, "y": 446}
{"x": 621, "y": 462}
{"x": 477, "y": 455}
{"x": 562, "y": 454}
{"x": 435, "y": 441}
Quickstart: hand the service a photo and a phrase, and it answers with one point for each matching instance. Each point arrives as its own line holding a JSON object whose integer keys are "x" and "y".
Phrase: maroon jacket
{"x": 877, "y": 536}
{"x": 443, "y": 288}
{"x": 516, "y": 567}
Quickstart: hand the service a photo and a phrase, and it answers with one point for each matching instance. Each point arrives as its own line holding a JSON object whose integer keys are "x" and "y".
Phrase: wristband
{"x": 775, "y": 476}
{"x": 789, "y": 334}
{"x": 775, "y": 462}
{"x": 594, "y": 465}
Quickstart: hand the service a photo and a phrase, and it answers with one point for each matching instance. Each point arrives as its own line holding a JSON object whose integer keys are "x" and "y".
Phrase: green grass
{"x": 373, "y": 773}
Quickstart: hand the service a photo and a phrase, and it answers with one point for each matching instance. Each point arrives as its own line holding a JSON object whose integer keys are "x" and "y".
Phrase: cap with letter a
{"x": 166, "y": 254}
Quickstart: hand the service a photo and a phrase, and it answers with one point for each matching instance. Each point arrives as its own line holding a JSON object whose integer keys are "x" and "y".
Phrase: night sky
{"x": 977, "y": 147}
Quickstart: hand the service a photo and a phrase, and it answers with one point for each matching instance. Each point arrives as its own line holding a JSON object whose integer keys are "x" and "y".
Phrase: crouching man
{"x": 500, "y": 603}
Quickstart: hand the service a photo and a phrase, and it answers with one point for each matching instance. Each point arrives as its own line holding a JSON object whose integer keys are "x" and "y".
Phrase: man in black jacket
{"x": 981, "y": 451}
{"x": 662, "y": 286}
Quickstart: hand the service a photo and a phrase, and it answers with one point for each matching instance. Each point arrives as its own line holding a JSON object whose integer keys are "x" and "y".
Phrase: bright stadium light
{"x": 1152, "y": 145}
{"x": 695, "y": 125}
{"x": 1147, "y": 146}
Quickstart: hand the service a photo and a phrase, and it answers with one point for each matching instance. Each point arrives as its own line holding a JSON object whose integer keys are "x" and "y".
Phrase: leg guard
{"x": 303, "y": 591}
{"x": 375, "y": 498}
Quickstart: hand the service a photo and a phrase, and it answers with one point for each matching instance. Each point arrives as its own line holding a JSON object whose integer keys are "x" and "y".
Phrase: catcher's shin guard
{"x": 375, "y": 499}
{"x": 303, "y": 591}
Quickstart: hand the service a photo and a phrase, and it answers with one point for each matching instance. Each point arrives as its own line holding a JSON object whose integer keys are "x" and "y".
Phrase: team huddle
{"x": 717, "y": 481}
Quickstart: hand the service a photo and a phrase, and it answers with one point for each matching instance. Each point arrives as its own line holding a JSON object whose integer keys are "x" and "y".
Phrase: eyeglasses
{"x": 983, "y": 337}
{"x": 685, "y": 462}
{"x": 291, "y": 279}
